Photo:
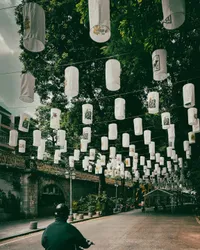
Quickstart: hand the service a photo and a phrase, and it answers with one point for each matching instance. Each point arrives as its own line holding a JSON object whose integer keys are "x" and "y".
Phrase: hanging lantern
{"x": 138, "y": 126}
{"x": 55, "y": 118}
{"x": 171, "y": 131}
{"x": 84, "y": 145}
{"x": 162, "y": 161}
{"x": 34, "y": 27}
{"x": 24, "y": 122}
{"x": 76, "y": 154}
{"x": 166, "y": 120}
{"x": 158, "y": 157}
{"x": 27, "y": 88}
{"x": 43, "y": 145}
{"x": 188, "y": 95}
{"x": 171, "y": 142}
{"x": 119, "y": 158}
{"x": 13, "y": 138}
{"x": 36, "y": 138}
{"x": 173, "y": 13}
{"x": 175, "y": 168}
{"x": 87, "y": 134}
{"x": 103, "y": 160}
{"x": 119, "y": 109}
{"x": 61, "y": 134}
{"x": 86, "y": 158}
{"x": 148, "y": 164}
{"x": 71, "y": 81}
{"x": 112, "y": 152}
{"x": 173, "y": 157}
{"x": 192, "y": 116}
{"x": 128, "y": 162}
{"x": 99, "y": 16}
{"x": 87, "y": 113}
{"x": 153, "y": 102}
{"x": 180, "y": 162}
{"x": 104, "y": 143}
{"x": 92, "y": 154}
{"x": 196, "y": 127}
{"x": 113, "y": 71}
{"x": 131, "y": 150}
{"x": 152, "y": 157}
{"x": 186, "y": 145}
{"x": 71, "y": 161}
{"x": 63, "y": 149}
{"x": 169, "y": 164}
{"x": 156, "y": 167}
{"x": 147, "y": 173}
{"x": 152, "y": 148}
{"x": 112, "y": 131}
{"x": 90, "y": 169}
{"x": 125, "y": 140}
{"x": 169, "y": 151}
{"x": 191, "y": 137}
{"x": 40, "y": 153}
{"x": 159, "y": 61}
{"x": 147, "y": 137}
{"x": 84, "y": 164}
{"x": 135, "y": 157}
{"x": 22, "y": 146}
{"x": 188, "y": 155}
{"x": 57, "y": 155}
{"x": 142, "y": 160}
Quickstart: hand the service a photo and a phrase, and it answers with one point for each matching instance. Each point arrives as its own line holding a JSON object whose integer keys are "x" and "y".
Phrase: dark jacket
{"x": 62, "y": 236}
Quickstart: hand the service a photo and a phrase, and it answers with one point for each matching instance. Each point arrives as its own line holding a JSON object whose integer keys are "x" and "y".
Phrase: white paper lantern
{"x": 99, "y": 16}
{"x": 128, "y": 162}
{"x": 87, "y": 134}
{"x": 84, "y": 145}
{"x": 196, "y": 127}
{"x": 153, "y": 102}
{"x": 189, "y": 95}
{"x": 40, "y": 153}
{"x": 104, "y": 143}
{"x": 147, "y": 173}
{"x": 152, "y": 148}
{"x": 43, "y": 145}
{"x": 147, "y": 137}
{"x": 92, "y": 153}
{"x": 87, "y": 113}
{"x": 138, "y": 128}
{"x": 135, "y": 157}
{"x": 142, "y": 160}
{"x": 171, "y": 142}
{"x": 186, "y": 145}
{"x": 120, "y": 109}
{"x": 55, "y": 118}
{"x": 171, "y": 132}
{"x": 131, "y": 150}
{"x": 152, "y": 157}
{"x": 125, "y": 140}
{"x": 13, "y": 138}
{"x": 158, "y": 157}
{"x": 173, "y": 13}
{"x": 119, "y": 158}
{"x": 180, "y": 162}
{"x": 173, "y": 157}
{"x": 162, "y": 161}
{"x": 22, "y": 146}
{"x": 169, "y": 164}
{"x": 175, "y": 168}
{"x": 188, "y": 155}
{"x": 61, "y": 134}
{"x": 57, "y": 155}
{"x": 156, "y": 167}
{"x": 85, "y": 164}
{"x": 27, "y": 88}
{"x": 24, "y": 122}
{"x": 36, "y": 138}
{"x": 71, "y": 81}
{"x": 148, "y": 164}
{"x": 169, "y": 151}
{"x": 113, "y": 71}
{"x": 159, "y": 61}
{"x": 103, "y": 160}
{"x": 166, "y": 120}
{"x": 112, "y": 131}
{"x": 34, "y": 27}
{"x": 112, "y": 152}
{"x": 63, "y": 149}
{"x": 76, "y": 154}
{"x": 71, "y": 161}
{"x": 192, "y": 116}
{"x": 191, "y": 137}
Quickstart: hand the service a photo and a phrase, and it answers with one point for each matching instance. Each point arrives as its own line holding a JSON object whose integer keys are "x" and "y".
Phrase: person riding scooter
{"x": 61, "y": 235}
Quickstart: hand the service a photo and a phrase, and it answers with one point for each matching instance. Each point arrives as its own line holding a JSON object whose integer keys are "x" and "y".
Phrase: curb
{"x": 43, "y": 228}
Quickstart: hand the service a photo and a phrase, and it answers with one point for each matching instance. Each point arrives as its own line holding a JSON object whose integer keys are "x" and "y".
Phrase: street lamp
{"x": 71, "y": 175}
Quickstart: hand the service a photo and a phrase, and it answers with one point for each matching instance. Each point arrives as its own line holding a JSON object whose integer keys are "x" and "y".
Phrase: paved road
{"x": 129, "y": 231}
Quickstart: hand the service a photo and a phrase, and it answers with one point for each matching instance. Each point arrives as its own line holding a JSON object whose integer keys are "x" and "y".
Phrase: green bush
{"x": 91, "y": 209}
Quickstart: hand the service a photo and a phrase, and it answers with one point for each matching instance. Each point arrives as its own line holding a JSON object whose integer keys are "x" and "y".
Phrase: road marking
{"x": 20, "y": 238}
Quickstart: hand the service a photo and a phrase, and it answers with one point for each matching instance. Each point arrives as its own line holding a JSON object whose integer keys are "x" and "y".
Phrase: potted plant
{"x": 98, "y": 208}
{"x": 91, "y": 210}
{"x": 75, "y": 208}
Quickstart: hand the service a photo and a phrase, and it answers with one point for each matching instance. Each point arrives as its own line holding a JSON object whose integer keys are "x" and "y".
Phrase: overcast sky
{"x": 9, "y": 62}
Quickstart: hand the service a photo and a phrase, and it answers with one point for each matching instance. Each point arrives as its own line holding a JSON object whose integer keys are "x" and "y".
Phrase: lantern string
{"x": 9, "y": 7}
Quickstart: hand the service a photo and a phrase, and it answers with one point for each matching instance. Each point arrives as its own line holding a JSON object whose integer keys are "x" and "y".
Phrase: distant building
{"x": 6, "y": 124}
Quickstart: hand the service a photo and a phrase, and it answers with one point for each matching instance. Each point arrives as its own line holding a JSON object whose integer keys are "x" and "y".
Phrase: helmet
{"x": 62, "y": 211}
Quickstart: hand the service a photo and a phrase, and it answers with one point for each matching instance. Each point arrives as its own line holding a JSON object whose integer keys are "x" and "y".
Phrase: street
{"x": 127, "y": 231}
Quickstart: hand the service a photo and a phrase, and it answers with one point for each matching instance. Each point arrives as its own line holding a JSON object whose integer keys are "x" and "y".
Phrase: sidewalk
{"x": 14, "y": 229}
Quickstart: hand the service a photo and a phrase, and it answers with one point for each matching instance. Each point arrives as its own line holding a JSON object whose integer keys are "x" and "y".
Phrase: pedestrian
{"x": 61, "y": 235}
